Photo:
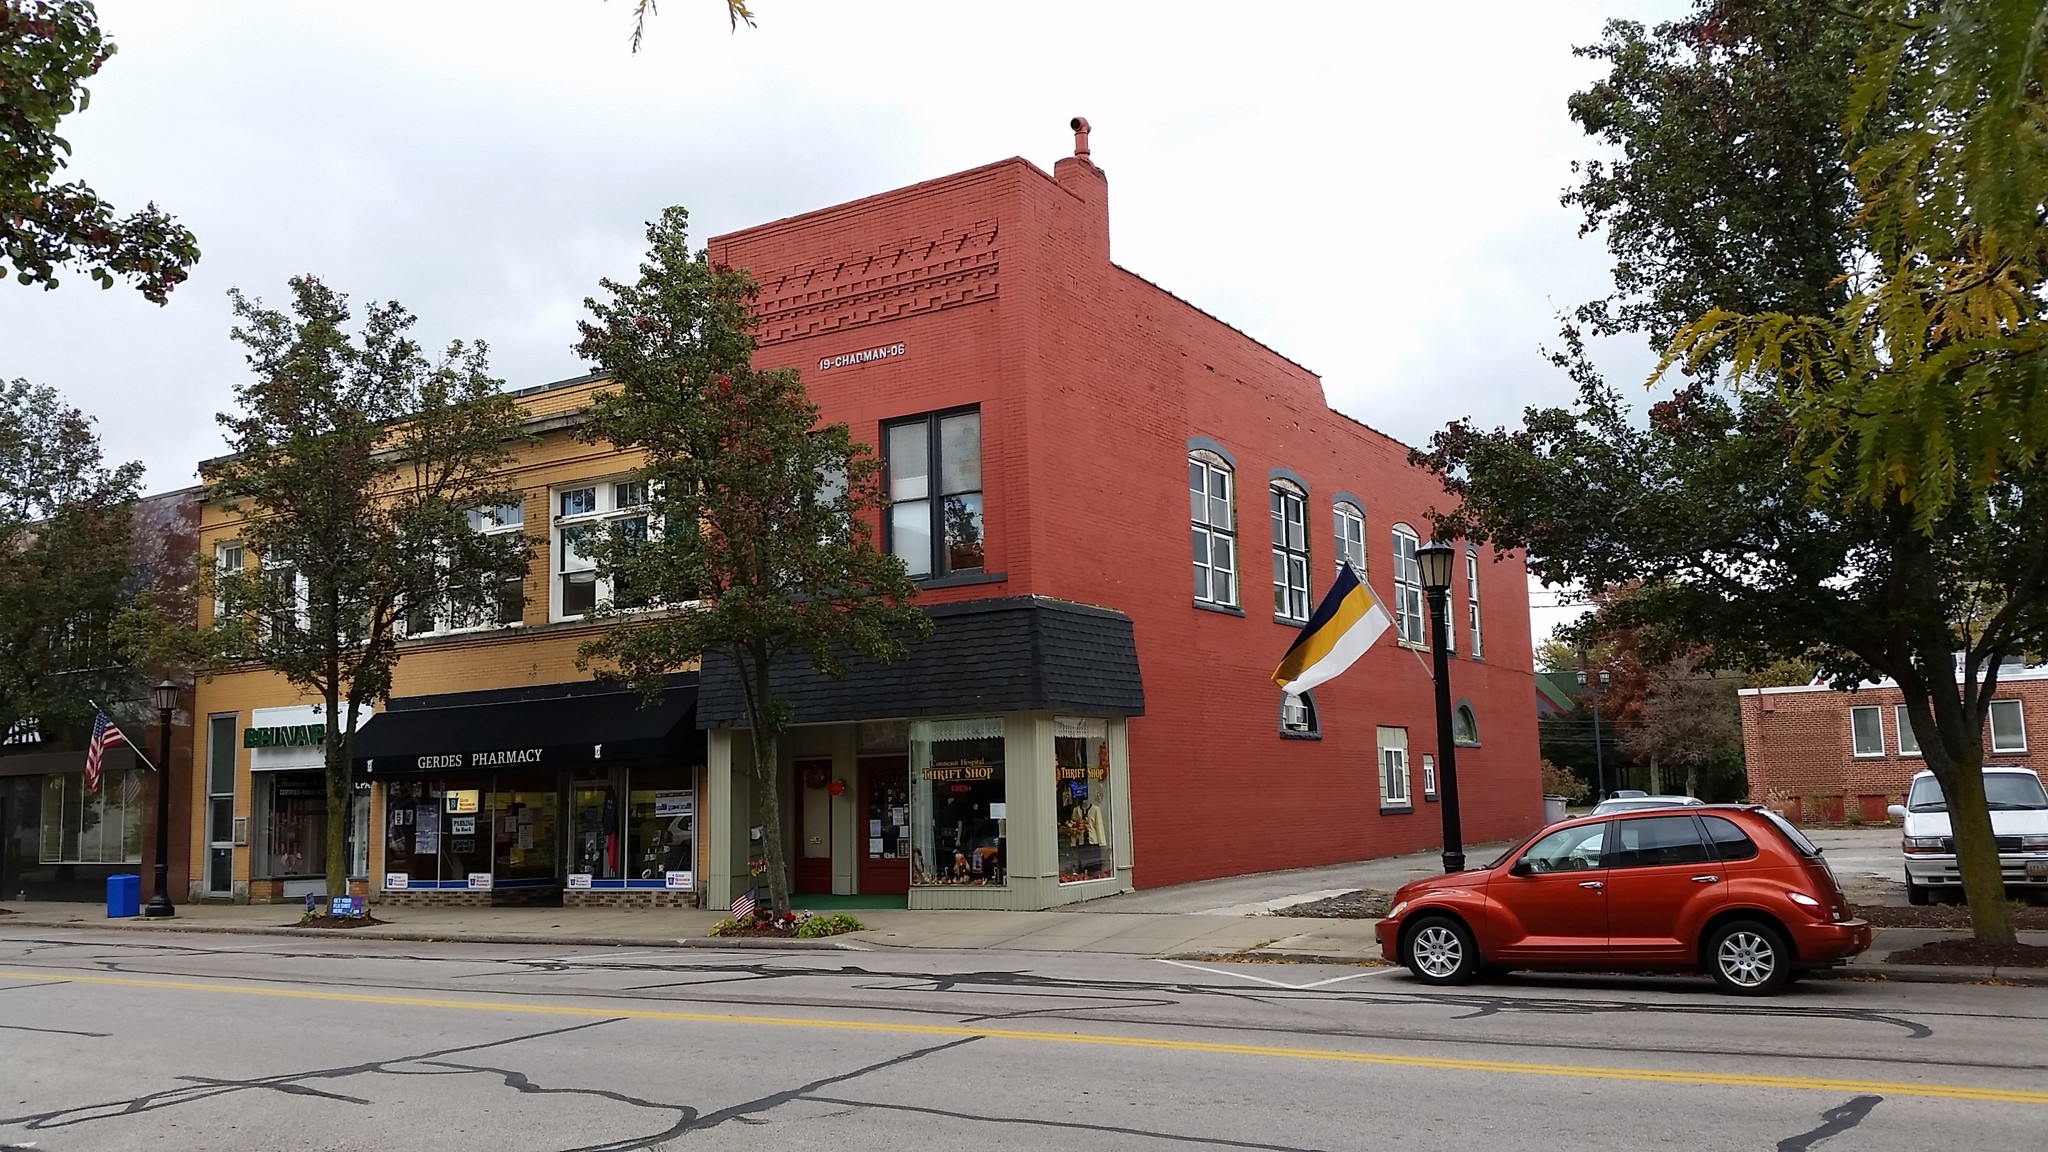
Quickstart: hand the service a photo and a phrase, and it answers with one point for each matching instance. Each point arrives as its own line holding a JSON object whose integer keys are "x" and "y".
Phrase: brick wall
{"x": 1091, "y": 381}
{"x": 1798, "y": 746}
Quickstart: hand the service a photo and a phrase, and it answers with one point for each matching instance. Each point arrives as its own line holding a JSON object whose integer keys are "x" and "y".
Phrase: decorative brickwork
{"x": 630, "y": 898}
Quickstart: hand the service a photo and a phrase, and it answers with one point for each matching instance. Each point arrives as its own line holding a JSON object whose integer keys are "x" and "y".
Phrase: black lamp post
{"x": 1599, "y": 766}
{"x": 166, "y": 696}
{"x": 1437, "y": 561}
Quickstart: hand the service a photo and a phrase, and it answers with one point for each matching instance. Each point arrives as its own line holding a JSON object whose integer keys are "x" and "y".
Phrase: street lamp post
{"x": 166, "y": 698}
{"x": 1436, "y": 560}
{"x": 1599, "y": 767}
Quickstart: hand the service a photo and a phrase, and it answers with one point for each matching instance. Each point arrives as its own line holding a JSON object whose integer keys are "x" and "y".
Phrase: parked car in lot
{"x": 2019, "y": 820}
{"x": 1637, "y": 803}
{"x": 1731, "y": 890}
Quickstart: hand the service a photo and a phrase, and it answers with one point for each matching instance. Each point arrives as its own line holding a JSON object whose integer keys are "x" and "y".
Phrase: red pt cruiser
{"x": 1735, "y": 891}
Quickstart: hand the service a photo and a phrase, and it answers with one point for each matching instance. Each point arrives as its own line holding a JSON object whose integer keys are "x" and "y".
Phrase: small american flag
{"x": 104, "y": 736}
{"x": 743, "y": 905}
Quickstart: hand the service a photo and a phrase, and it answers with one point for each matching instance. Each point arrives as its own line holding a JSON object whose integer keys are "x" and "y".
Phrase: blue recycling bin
{"x": 124, "y": 896}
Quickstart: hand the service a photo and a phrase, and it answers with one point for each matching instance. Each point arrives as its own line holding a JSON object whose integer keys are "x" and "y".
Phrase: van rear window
{"x": 1793, "y": 836}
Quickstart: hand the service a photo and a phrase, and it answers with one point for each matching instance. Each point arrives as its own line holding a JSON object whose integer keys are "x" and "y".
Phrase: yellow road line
{"x": 1335, "y": 1056}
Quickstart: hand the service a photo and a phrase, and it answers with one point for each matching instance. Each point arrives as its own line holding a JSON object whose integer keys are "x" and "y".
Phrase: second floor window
{"x": 1350, "y": 537}
{"x": 582, "y": 511}
{"x": 935, "y": 511}
{"x": 1408, "y": 622}
{"x": 507, "y": 603}
{"x": 1289, "y": 507}
{"x": 1215, "y": 533}
{"x": 1472, "y": 596}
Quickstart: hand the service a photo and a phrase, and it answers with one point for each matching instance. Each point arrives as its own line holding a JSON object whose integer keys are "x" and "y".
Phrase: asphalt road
{"x": 112, "y": 1042}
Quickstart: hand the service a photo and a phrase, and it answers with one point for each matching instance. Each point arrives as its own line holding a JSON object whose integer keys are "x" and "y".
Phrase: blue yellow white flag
{"x": 1344, "y": 626}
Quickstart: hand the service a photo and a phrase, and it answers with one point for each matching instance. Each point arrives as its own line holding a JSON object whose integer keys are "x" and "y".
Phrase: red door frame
{"x": 811, "y": 875}
{"x": 886, "y": 875}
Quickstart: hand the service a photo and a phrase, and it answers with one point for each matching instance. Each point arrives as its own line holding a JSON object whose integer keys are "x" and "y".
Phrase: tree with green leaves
{"x": 1864, "y": 498}
{"x": 1920, "y": 402}
{"x": 65, "y": 564}
{"x": 362, "y": 468}
{"x": 48, "y": 50}
{"x": 765, "y": 554}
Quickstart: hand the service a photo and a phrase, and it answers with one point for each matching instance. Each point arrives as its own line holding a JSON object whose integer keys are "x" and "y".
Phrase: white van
{"x": 2019, "y": 819}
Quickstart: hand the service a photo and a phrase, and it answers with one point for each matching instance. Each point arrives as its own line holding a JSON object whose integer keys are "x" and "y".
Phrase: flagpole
{"x": 124, "y": 737}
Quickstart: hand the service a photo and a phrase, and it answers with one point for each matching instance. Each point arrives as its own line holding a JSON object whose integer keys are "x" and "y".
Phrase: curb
{"x": 740, "y": 943}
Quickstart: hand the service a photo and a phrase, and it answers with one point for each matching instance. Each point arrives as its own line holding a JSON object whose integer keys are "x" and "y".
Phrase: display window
{"x": 959, "y": 810}
{"x": 661, "y": 824}
{"x": 1081, "y": 799}
{"x": 523, "y": 829}
{"x": 293, "y": 835}
{"x": 81, "y": 825}
{"x": 595, "y": 847}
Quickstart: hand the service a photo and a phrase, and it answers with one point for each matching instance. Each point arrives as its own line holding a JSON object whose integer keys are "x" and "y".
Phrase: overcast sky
{"x": 1369, "y": 187}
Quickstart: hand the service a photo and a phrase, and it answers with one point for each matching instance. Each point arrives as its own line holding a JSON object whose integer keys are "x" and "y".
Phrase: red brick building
{"x": 1821, "y": 754}
{"x": 1124, "y": 509}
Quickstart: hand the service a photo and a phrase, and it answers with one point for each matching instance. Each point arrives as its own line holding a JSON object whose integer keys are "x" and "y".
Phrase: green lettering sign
{"x": 292, "y": 736}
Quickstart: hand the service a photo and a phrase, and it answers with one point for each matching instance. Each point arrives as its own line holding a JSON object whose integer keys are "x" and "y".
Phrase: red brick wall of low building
{"x": 1091, "y": 381}
{"x": 1797, "y": 745}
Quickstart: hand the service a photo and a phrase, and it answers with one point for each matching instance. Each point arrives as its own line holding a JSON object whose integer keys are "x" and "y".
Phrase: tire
{"x": 1440, "y": 951}
{"x": 1916, "y": 895}
{"x": 1748, "y": 958}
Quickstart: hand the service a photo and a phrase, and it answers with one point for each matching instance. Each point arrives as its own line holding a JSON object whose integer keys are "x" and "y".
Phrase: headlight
{"x": 2034, "y": 843}
{"x": 1394, "y": 913}
{"x": 1803, "y": 900}
{"x": 1920, "y": 844}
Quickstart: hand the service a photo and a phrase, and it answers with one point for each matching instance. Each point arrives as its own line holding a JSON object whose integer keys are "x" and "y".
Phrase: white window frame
{"x": 1204, "y": 529}
{"x": 1856, "y": 751}
{"x": 1287, "y": 507}
{"x": 2019, "y": 713}
{"x": 302, "y": 595}
{"x": 1472, "y": 598}
{"x": 1348, "y": 529}
{"x": 1393, "y": 768}
{"x": 1906, "y": 733}
{"x": 607, "y": 509}
{"x": 1428, "y": 774}
{"x": 1298, "y": 715}
{"x": 221, "y": 567}
{"x": 1411, "y": 627}
{"x": 485, "y": 522}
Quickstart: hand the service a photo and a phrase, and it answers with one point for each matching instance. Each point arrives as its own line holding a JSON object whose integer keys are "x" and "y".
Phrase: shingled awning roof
{"x": 1013, "y": 654}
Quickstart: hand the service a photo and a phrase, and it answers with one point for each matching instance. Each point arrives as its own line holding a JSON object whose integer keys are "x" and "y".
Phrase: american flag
{"x": 743, "y": 905}
{"x": 104, "y": 736}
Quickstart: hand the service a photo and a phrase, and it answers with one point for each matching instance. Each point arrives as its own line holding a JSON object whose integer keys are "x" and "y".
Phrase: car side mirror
{"x": 1896, "y": 812}
{"x": 1521, "y": 868}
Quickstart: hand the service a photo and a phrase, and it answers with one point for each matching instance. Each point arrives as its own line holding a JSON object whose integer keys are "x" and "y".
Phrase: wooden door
{"x": 884, "y": 825}
{"x": 812, "y": 871}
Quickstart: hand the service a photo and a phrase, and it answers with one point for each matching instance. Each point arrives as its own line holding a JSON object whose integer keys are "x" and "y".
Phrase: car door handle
{"x": 1591, "y": 884}
{"x": 1706, "y": 879}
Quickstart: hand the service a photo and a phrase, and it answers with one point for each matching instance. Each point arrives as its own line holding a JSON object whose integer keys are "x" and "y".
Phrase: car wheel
{"x": 1916, "y": 895}
{"x": 1748, "y": 958}
{"x": 1441, "y": 951}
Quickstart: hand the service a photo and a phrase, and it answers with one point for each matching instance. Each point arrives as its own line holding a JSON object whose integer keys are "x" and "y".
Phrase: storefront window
{"x": 81, "y": 826}
{"x": 462, "y": 829}
{"x": 294, "y": 824}
{"x": 1081, "y": 799}
{"x": 594, "y": 846}
{"x": 523, "y": 825}
{"x": 959, "y": 817}
{"x": 661, "y": 824}
{"x": 412, "y": 830}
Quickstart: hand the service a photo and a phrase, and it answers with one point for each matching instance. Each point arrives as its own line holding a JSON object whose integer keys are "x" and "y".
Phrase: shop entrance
{"x": 885, "y": 819}
{"x": 812, "y": 873}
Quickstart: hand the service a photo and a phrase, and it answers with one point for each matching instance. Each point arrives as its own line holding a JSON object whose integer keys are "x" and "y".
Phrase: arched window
{"x": 1350, "y": 532}
{"x": 1408, "y": 623}
{"x": 1298, "y": 716}
{"x": 1472, "y": 596}
{"x": 1213, "y": 513}
{"x": 1464, "y": 725}
{"x": 1289, "y": 507}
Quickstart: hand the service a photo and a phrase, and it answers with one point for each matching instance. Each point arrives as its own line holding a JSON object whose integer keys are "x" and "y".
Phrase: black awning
{"x": 1010, "y": 654}
{"x": 557, "y": 726}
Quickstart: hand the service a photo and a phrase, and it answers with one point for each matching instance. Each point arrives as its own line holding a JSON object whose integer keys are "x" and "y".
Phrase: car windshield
{"x": 2003, "y": 792}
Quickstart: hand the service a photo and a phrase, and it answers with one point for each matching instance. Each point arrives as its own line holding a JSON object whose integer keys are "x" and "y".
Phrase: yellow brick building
{"x": 499, "y": 770}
